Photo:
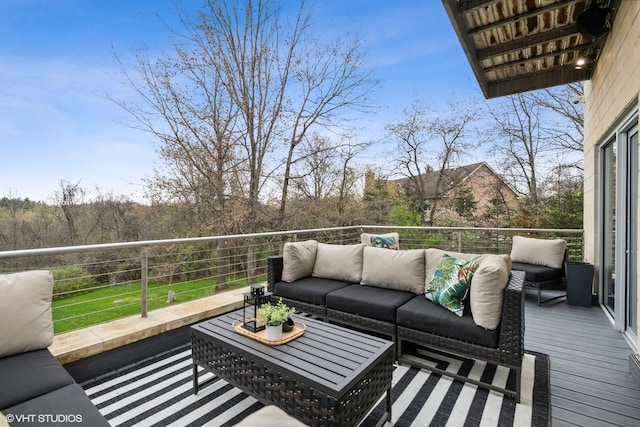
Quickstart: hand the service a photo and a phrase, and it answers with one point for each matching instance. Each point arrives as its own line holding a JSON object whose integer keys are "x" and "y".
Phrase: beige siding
{"x": 609, "y": 95}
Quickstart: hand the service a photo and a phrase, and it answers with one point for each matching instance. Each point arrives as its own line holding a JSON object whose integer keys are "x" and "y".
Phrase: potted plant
{"x": 274, "y": 316}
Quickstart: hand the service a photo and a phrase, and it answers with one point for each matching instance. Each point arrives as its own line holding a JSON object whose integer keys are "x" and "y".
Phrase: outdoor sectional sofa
{"x": 35, "y": 389}
{"x": 383, "y": 291}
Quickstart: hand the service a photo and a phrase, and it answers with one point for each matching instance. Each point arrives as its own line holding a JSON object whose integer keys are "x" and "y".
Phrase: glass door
{"x": 608, "y": 189}
{"x": 631, "y": 284}
{"x": 619, "y": 245}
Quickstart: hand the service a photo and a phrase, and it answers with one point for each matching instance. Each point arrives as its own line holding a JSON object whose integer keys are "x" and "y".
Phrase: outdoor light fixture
{"x": 583, "y": 61}
{"x": 252, "y": 302}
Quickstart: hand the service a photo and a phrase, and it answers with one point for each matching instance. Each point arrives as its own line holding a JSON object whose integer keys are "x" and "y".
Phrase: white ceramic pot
{"x": 274, "y": 333}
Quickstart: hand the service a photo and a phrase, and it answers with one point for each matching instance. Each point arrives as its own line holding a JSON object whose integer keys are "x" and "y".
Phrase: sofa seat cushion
{"x": 538, "y": 273}
{"x": 369, "y": 301}
{"x": 28, "y": 375}
{"x": 310, "y": 289}
{"x": 423, "y": 315}
{"x": 69, "y": 404}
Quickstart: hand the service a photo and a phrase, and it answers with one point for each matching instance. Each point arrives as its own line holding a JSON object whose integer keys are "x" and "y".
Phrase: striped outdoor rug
{"x": 159, "y": 393}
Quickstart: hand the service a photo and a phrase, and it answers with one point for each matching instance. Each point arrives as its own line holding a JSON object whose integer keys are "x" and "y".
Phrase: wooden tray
{"x": 298, "y": 330}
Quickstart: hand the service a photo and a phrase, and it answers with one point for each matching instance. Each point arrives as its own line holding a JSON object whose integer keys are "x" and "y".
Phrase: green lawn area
{"x": 114, "y": 302}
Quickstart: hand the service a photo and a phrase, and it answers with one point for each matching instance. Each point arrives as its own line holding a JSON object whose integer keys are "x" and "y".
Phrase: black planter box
{"x": 579, "y": 277}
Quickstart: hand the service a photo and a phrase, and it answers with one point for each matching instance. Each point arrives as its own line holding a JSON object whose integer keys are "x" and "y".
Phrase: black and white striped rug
{"x": 159, "y": 393}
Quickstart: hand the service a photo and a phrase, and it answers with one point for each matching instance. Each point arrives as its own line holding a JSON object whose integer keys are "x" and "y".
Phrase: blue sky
{"x": 57, "y": 67}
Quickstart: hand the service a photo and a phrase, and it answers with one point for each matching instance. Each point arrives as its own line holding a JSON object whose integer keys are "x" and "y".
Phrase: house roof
{"x": 452, "y": 178}
{"x": 519, "y": 45}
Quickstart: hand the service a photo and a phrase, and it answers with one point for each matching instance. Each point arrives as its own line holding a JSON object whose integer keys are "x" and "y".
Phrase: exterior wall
{"x": 484, "y": 184}
{"x": 613, "y": 89}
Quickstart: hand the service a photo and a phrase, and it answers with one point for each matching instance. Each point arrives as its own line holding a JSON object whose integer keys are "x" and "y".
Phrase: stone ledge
{"x": 76, "y": 345}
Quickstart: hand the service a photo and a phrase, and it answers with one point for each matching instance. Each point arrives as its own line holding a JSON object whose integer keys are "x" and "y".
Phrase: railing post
{"x": 460, "y": 241}
{"x": 144, "y": 267}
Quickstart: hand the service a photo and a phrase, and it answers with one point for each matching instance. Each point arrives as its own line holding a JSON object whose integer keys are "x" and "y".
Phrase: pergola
{"x": 515, "y": 46}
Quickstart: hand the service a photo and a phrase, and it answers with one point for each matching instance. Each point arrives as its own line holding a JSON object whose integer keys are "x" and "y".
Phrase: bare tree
{"x": 520, "y": 142}
{"x": 328, "y": 78}
{"x": 426, "y": 145}
{"x": 245, "y": 82}
{"x": 69, "y": 199}
{"x": 564, "y": 120}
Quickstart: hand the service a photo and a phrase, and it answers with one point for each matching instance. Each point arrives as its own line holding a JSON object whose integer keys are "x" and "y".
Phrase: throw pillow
{"x": 487, "y": 291}
{"x": 549, "y": 253}
{"x": 451, "y": 282}
{"x": 25, "y": 312}
{"x": 433, "y": 256}
{"x": 401, "y": 270}
{"x": 298, "y": 259}
{"x": 339, "y": 262}
{"x": 388, "y": 240}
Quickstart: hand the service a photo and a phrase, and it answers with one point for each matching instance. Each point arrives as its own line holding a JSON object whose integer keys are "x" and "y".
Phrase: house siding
{"x": 609, "y": 96}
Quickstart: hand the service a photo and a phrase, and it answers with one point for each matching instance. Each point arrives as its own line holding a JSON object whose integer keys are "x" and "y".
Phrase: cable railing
{"x": 97, "y": 283}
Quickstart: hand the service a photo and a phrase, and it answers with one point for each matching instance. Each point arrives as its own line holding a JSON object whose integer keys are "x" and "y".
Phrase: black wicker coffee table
{"x": 330, "y": 376}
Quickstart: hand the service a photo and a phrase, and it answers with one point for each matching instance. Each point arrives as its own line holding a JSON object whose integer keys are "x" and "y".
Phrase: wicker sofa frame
{"x": 509, "y": 351}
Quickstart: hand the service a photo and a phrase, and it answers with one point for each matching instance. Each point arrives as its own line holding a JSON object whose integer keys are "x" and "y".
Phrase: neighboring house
{"x": 532, "y": 45}
{"x": 478, "y": 180}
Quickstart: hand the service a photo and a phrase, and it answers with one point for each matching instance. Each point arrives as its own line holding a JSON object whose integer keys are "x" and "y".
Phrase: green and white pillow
{"x": 451, "y": 282}
{"x": 387, "y": 241}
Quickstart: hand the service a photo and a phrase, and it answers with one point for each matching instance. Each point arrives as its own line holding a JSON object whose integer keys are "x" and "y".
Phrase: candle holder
{"x": 252, "y": 302}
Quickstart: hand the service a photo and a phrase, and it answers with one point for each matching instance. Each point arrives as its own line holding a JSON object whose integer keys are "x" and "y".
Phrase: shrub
{"x": 72, "y": 279}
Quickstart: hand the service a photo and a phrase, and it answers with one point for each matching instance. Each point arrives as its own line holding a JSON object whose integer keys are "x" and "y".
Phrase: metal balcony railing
{"x": 98, "y": 283}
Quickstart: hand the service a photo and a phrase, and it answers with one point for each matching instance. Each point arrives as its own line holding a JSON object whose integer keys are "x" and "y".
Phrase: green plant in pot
{"x": 274, "y": 315}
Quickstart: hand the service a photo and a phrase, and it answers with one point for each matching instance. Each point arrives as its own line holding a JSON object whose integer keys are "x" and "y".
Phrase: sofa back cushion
{"x": 298, "y": 259}
{"x": 400, "y": 270}
{"x": 547, "y": 252}
{"x": 387, "y": 241}
{"x": 339, "y": 262}
{"x": 25, "y": 312}
{"x": 486, "y": 294}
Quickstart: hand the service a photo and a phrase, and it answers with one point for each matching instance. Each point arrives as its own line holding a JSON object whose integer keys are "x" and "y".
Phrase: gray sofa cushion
{"x": 29, "y": 375}
{"x": 547, "y": 252}
{"x": 310, "y": 289}
{"x": 339, "y": 262}
{"x": 298, "y": 259}
{"x": 400, "y": 270}
{"x": 423, "y": 315}
{"x": 25, "y": 311}
{"x": 69, "y": 402}
{"x": 368, "y": 301}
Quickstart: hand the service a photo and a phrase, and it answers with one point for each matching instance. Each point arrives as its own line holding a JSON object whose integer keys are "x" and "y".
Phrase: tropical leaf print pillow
{"x": 384, "y": 242}
{"x": 451, "y": 282}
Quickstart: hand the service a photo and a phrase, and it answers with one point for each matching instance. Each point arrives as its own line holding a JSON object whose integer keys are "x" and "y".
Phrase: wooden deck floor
{"x": 590, "y": 380}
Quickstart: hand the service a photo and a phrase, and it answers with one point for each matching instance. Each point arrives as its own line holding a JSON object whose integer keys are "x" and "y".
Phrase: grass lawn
{"x": 114, "y": 302}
